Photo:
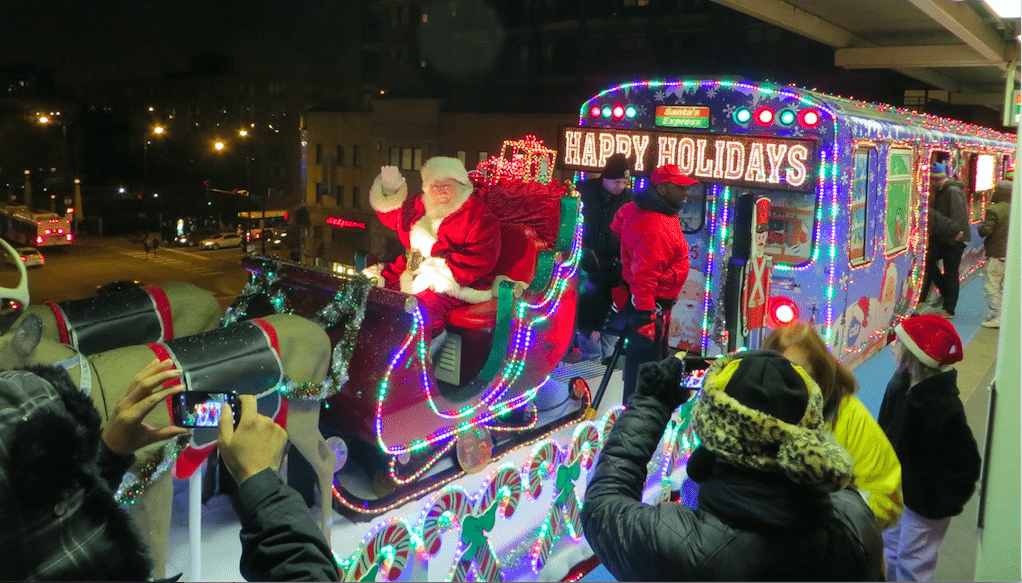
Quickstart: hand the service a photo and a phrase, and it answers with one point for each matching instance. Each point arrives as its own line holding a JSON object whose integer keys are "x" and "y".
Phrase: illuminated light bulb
{"x": 786, "y": 117}
{"x": 619, "y": 111}
{"x": 595, "y": 111}
{"x": 743, "y": 115}
{"x": 809, "y": 118}
{"x": 764, "y": 116}
{"x": 631, "y": 112}
{"x": 606, "y": 112}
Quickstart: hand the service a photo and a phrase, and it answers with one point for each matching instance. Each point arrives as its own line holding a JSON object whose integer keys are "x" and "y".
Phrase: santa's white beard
{"x": 437, "y": 212}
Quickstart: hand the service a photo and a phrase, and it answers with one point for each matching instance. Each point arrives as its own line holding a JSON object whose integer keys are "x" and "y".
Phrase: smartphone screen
{"x": 199, "y": 409}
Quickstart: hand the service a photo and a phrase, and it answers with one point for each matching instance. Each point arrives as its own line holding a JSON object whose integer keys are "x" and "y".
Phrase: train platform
{"x": 957, "y": 561}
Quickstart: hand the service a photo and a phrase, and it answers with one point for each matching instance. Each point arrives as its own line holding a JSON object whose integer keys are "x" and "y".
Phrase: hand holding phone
{"x": 250, "y": 444}
{"x": 202, "y": 409}
{"x": 126, "y": 432}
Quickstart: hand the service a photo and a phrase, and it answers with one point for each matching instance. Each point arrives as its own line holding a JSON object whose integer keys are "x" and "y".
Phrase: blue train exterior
{"x": 847, "y": 185}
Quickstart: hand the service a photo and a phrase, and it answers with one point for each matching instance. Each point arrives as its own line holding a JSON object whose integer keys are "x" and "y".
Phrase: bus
{"x": 262, "y": 223}
{"x": 809, "y": 206}
{"x": 22, "y": 226}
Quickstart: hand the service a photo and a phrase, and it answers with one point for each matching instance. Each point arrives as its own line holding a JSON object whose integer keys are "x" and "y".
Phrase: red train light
{"x": 781, "y": 310}
{"x": 809, "y": 118}
{"x": 763, "y": 116}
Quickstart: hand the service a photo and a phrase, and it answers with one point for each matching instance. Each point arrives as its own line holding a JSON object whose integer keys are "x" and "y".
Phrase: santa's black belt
{"x": 101, "y": 323}
{"x": 243, "y": 358}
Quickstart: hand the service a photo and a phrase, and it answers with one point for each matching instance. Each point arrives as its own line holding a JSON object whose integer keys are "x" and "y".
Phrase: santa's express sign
{"x": 762, "y": 161}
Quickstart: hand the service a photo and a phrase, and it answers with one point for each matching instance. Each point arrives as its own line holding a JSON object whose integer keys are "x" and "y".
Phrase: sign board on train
{"x": 773, "y": 162}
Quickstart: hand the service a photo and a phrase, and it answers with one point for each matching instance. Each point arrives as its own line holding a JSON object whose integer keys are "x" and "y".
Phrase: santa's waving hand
{"x": 452, "y": 239}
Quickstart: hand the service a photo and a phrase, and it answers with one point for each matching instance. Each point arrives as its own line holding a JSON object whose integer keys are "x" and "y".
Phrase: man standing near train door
{"x": 655, "y": 262}
{"x": 948, "y": 236}
{"x": 601, "y": 250}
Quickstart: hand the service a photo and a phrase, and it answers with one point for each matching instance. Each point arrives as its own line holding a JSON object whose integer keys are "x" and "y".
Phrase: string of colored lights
{"x": 521, "y": 342}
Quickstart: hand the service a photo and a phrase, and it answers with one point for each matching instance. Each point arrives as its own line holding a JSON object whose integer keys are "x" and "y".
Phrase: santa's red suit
{"x": 455, "y": 244}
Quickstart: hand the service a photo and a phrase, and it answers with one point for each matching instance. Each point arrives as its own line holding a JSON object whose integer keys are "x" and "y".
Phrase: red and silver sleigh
{"x": 402, "y": 423}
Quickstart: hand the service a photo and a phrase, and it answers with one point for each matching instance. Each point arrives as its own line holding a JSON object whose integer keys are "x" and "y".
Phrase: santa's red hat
{"x": 932, "y": 339}
{"x": 441, "y": 168}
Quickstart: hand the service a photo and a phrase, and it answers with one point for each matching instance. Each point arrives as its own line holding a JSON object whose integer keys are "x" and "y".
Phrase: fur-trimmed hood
{"x": 759, "y": 411}
{"x": 60, "y": 521}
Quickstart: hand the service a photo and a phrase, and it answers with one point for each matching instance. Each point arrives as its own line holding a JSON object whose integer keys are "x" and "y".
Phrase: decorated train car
{"x": 809, "y": 206}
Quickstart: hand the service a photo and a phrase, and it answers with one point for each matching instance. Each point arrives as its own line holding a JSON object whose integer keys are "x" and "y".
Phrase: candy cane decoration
{"x": 565, "y": 511}
{"x": 585, "y": 441}
{"x": 542, "y": 462}
{"x": 609, "y": 419}
{"x": 503, "y": 487}
{"x": 451, "y": 506}
{"x": 477, "y": 547}
{"x": 389, "y": 543}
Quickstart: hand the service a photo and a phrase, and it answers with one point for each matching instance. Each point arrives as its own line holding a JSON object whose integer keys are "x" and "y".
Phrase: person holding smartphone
{"x": 59, "y": 468}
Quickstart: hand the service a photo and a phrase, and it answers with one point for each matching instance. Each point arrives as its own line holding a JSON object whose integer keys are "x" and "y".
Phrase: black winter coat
{"x": 926, "y": 424}
{"x": 279, "y": 539}
{"x": 671, "y": 542}
{"x": 949, "y": 214}
{"x": 598, "y": 210}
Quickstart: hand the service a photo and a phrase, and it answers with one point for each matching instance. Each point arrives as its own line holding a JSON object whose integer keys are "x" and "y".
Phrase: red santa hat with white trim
{"x": 441, "y": 168}
{"x": 932, "y": 339}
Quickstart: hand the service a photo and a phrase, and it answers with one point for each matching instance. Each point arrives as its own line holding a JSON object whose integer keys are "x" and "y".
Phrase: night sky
{"x": 114, "y": 39}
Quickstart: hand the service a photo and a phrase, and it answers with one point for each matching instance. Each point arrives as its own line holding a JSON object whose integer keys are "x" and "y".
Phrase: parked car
{"x": 192, "y": 239}
{"x": 284, "y": 238}
{"x": 116, "y": 286}
{"x": 30, "y": 256}
{"x": 220, "y": 241}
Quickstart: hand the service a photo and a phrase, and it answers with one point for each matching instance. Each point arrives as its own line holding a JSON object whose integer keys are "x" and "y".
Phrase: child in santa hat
{"x": 924, "y": 419}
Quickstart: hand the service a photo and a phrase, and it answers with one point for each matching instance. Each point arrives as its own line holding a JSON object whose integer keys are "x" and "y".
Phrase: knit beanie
{"x": 759, "y": 411}
{"x": 938, "y": 170}
{"x": 616, "y": 167}
{"x": 932, "y": 339}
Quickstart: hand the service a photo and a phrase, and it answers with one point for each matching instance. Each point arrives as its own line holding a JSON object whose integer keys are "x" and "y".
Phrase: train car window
{"x": 860, "y": 231}
{"x": 984, "y": 171}
{"x": 897, "y": 219}
{"x": 693, "y": 213}
{"x": 790, "y": 235}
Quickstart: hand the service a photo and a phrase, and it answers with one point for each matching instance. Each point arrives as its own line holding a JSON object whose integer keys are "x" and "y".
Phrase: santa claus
{"x": 452, "y": 239}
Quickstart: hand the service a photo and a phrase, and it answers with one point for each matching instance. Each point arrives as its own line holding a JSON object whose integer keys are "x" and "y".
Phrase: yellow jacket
{"x": 877, "y": 469}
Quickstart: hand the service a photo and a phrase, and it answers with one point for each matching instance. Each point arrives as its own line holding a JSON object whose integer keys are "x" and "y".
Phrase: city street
{"x": 75, "y": 272}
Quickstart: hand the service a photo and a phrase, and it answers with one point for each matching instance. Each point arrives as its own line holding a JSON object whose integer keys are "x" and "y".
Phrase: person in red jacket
{"x": 654, "y": 261}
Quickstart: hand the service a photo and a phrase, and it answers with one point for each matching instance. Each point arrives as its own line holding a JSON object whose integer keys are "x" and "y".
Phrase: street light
{"x": 54, "y": 117}
{"x": 157, "y": 130}
{"x": 243, "y": 133}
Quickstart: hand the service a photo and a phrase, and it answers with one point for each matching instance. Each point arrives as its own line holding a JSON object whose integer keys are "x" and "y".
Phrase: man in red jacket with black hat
{"x": 654, "y": 260}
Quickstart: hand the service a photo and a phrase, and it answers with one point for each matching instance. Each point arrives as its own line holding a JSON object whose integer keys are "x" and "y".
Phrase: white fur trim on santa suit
{"x": 435, "y": 274}
{"x": 375, "y": 271}
{"x": 422, "y": 236}
{"x": 383, "y": 201}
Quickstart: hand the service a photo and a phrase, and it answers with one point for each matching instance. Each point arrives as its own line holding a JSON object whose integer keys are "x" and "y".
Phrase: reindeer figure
{"x": 288, "y": 347}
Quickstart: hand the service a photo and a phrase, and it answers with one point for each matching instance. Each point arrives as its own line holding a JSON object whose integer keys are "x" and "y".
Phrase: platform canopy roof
{"x": 961, "y": 46}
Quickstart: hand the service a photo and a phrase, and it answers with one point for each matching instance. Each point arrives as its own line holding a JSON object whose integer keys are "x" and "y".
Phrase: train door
{"x": 689, "y": 311}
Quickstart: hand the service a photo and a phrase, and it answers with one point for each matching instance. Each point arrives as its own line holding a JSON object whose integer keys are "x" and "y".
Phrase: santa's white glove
{"x": 434, "y": 274}
{"x": 391, "y": 179}
{"x": 375, "y": 271}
